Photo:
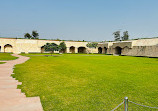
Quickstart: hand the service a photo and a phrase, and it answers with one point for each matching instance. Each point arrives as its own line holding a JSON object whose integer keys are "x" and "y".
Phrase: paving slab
{"x": 11, "y": 98}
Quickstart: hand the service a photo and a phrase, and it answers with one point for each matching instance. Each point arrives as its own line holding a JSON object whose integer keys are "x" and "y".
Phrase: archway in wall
{"x": 81, "y": 50}
{"x": 0, "y": 48}
{"x": 72, "y": 49}
{"x": 105, "y": 49}
{"x": 118, "y": 50}
{"x": 42, "y": 49}
{"x": 8, "y": 48}
{"x": 99, "y": 50}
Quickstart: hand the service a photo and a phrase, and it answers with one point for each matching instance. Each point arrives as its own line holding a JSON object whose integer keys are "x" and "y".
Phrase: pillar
{"x": 76, "y": 49}
{"x": 67, "y": 49}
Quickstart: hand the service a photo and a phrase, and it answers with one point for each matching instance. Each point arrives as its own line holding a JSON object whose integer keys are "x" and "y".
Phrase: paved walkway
{"x": 11, "y": 98}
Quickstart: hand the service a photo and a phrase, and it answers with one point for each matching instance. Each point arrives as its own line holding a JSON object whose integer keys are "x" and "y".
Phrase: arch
{"x": 8, "y": 48}
{"x": 99, "y": 50}
{"x": 0, "y": 48}
{"x": 42, "y": 49}
{"x": 126, "y": 47}
{"x": 118, "y": 50}
{"x": 81, "y": 50}
{"x": 72, "y": 49}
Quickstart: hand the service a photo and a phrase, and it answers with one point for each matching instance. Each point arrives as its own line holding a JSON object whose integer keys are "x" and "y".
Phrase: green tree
{"x": 117, "y": 35}
{"x": 27, "y": 36}
{"x": 125, "y": 35}
{"x": 35, "y": 35}
{"x": 51, "y": 47}
{"x": 62, "y": 47}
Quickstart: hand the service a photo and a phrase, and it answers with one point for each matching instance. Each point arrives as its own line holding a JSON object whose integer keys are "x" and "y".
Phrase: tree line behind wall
{"x": 117, "y": 36}
{"x": 34, "y": 35}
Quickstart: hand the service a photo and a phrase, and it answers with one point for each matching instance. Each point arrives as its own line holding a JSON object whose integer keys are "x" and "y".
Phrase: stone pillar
{"x": 2, "y": 48}
{"x": 67, "y": 49}
{"x": 103, "y": 50}
{"x": 76, "y": 49}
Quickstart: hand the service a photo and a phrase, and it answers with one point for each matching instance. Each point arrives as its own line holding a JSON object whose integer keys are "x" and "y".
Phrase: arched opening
{"x": 118, "y": 50}
{"x": 72, "y": 49}
{"x": 0, "y": 48}
{"x": 8, "y": 48}
{"x": 99, "y": 50}
{"x": 42, "y": 49}
{"x": 81, "y": 50}
{"x": 105, "y": 49}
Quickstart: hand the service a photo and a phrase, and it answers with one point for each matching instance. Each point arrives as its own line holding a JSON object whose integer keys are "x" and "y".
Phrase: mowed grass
{"x": 2, "y": 62}
{"x": 90, "y": 83}
{"x": 7, "y": 56}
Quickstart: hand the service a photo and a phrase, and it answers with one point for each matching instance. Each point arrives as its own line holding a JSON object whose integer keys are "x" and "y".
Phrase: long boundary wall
{"x": 142, "y": 47}
{"x": 35, "y": 46}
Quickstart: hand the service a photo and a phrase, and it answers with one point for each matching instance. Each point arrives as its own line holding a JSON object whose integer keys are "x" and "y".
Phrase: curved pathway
{"x": 11, "y": 98}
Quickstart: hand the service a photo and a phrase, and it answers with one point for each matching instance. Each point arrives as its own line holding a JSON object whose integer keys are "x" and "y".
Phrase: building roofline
{"x": 42, "y": 39}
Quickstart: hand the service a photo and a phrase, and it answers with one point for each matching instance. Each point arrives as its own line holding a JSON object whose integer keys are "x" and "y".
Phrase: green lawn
{"x": 2, "y": 62}
{"x": 6, "y": 56}
{"x": 94, "y": 83}
{"x": 69, "y": 54}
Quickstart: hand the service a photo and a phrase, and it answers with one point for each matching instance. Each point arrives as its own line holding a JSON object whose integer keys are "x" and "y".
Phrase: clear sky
{"x": 93, "y": 20}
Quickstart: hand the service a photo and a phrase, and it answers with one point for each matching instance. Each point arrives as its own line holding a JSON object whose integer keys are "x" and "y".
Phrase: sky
{"x": 90, "y": 20}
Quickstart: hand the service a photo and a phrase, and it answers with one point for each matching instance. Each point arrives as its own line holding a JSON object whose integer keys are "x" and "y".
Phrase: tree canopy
{"x": 34, "y": 35}
{"x": 62, "y": 47}
{"x": 54, "y": 47}
{"x": 125, "y": 35}
{"x": 51, "y": 47}
{"x": 117, "y": 35}
{"x": 27, "y": 36}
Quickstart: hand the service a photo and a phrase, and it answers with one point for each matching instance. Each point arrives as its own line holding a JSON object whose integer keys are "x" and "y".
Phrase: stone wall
{"x": 143, "y": 47}
{"x": 150, "y": 51}
{"x": 35, "y": 46}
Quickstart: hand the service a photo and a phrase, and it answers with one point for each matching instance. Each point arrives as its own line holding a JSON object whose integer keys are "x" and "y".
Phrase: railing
{"x": 126, "y": 101}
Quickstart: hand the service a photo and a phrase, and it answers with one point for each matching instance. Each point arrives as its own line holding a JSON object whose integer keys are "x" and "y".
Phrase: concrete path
{"x": 11, "y": 98}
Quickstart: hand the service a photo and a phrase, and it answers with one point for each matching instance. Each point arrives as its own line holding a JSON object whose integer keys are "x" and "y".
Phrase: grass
{"x": 38, "y": 54}
{"x": 7, "y": 56}
{"x": 92, "y": 83}
{"x": 2, "y": 62}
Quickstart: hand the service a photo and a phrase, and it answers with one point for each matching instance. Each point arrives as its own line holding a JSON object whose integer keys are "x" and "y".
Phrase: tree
{"x": 92, "y": 45}
{"x": 27, "y": 36}
{"x": 125, "y": 35}
{"x": 51, "y": 47}
{"x": 35, "y": 35}
{"x": 62, "y": 47}
{"x": 117, "y": 35}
